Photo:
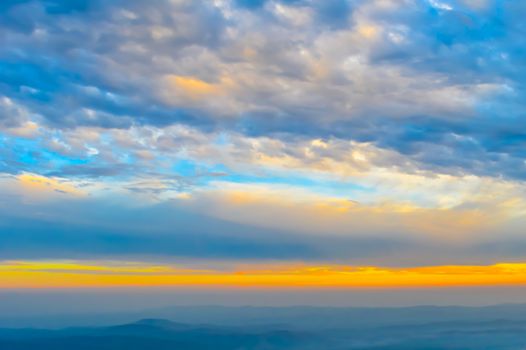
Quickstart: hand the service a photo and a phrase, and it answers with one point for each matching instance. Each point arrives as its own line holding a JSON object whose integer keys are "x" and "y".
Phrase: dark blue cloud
{"x": 251, "y": 4}
{"x": 334, "y": 13}
{"x": 92, "y": 229}
{"x": 53, "y": 6}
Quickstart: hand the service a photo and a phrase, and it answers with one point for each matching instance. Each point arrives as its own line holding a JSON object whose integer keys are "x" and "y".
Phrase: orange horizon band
{"x": 74, "y": 275}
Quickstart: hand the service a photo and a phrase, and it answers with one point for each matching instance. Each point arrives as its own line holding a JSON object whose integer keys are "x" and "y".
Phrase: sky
{"x": 255, "y": 144}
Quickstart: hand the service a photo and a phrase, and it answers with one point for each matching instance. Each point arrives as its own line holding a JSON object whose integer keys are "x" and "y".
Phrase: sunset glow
{"x": 76, "y": 275}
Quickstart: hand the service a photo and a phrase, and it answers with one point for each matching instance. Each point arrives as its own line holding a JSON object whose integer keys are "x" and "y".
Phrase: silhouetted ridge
{"x": 300, "y": 328}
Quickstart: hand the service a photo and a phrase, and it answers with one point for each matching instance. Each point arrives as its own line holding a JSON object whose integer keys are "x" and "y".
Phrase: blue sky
{"x": 383, "y": 132}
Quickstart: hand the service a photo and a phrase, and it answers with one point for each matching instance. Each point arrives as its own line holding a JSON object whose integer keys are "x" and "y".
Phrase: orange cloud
{"x": 40, "y": 184}
{"x": 368, "y": 31}
{"x": 195, "y": 89}
{"x": 76, "y": 275}
{"x": 194, "y": 86}
{"x": 291, "y": 208}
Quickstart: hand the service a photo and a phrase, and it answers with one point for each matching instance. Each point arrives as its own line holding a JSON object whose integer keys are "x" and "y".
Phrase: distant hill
{"x": 155, "y": 334}
{"x": 297, "y": 317}
{"x": 345, "y": 329}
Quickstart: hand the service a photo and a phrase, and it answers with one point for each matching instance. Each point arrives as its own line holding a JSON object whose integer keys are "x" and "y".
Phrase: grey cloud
{"x": 427, "y": 81}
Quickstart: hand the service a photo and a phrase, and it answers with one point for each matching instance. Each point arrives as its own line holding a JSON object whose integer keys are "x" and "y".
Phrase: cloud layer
{"x": 382, "y": 131}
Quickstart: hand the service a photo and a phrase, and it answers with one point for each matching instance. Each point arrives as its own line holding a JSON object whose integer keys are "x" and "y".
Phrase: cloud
{"x": 372, "y": 122}
{"x": 46, "y": 218}
{"x": 40, "y": 185}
